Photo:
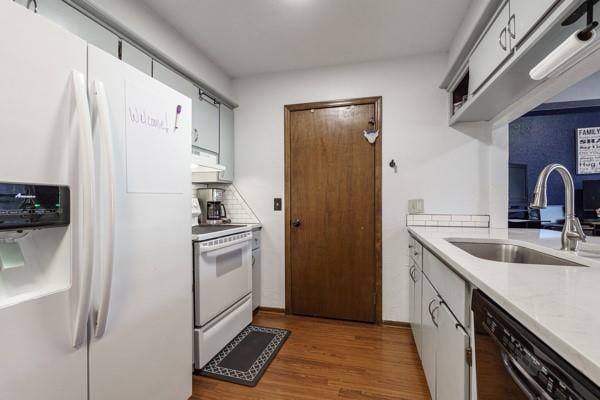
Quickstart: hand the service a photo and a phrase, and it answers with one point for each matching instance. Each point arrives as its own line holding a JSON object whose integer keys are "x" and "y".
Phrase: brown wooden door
{"x": 332, "y": 210}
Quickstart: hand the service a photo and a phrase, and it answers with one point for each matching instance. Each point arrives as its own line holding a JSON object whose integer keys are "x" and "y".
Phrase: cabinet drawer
{"x": 415, "y": 250}
{"x": 210, "y": 339}
{"x": 451, "y": 287}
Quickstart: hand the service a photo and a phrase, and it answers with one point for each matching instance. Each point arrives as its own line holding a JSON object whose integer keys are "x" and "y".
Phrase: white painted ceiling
{"x": 248, "y": 37}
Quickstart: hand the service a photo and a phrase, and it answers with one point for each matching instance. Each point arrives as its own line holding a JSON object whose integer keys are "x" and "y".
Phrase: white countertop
{"x": 561, "y": 305}
{"x": 225, "y": 232}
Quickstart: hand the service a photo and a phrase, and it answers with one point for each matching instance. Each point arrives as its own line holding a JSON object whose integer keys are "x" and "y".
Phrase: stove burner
{"x": 202, "y": 229}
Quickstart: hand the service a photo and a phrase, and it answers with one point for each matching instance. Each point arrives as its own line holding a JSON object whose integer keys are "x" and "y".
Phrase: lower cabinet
{"x": 429, "y": 335}
{"x": 442, "y": 340}
{"x": 452, "y": 369}
{"x": 415, "y": 296}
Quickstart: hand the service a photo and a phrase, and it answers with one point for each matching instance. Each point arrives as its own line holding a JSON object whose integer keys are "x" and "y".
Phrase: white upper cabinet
{"x": 79, "y": 24}
{"x": 226, "y": 142}
{"x": 174, "y": 80}
{"x": 491, "y": 51}
{"x": 524, "y": 15}
{"x": 137, "y": 58}
{"x": 205, "y": 112}
{"x": 206, "y": 119}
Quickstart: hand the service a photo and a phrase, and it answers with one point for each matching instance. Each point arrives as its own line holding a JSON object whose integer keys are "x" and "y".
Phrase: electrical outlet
{"x": 277, "y": 204}
{"x": 416, "y": 206}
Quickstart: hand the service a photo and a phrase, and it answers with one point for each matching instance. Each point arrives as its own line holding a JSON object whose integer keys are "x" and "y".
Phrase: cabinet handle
{"x": 433, "y": 319}
{"x": 35, "y": 5}
{"x": 512, "y": 25}
{"x": 437, "y": 307}
{"x": 502, "y": 34}
{"x": 411, "y": 273}
{"x": 253, "y": 260}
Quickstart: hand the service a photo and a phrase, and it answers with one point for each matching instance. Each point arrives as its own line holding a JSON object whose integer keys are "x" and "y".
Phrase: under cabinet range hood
{"x": 205, "y": 167}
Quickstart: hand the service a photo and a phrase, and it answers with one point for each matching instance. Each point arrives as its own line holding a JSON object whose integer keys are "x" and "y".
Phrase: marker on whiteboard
{"x": 177, "y": 116}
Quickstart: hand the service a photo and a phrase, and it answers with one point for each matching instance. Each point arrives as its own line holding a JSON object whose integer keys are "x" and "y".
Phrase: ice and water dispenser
{"x": 33, "y": 258}
{"x": 25, "y": 207}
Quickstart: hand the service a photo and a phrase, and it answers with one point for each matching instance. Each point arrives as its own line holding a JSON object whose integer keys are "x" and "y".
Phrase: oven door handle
{"x": 217, "y": 250}
{"x": 516, "y": 371}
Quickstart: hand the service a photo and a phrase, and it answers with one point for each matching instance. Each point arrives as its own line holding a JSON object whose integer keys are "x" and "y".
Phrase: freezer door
{"x": 143, "y": 348}
{"x": 39, "y": 138}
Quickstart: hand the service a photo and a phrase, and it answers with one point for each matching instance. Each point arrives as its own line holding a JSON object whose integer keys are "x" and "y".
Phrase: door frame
{"x": 288, "y": 109}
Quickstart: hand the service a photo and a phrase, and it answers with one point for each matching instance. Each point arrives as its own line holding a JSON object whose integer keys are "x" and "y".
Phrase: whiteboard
{"x": 588, "y": 150}
{"x": 155, "y": 145}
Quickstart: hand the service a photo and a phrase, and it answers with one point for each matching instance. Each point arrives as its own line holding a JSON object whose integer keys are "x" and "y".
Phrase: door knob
{"x": 296, "y": 223}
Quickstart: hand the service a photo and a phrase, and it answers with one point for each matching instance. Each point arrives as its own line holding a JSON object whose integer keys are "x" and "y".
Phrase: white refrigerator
{"x": 102, "y": 308}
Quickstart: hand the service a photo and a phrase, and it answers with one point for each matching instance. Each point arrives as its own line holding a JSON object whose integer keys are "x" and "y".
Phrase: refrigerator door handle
{"x": 86, "y": 185}
{"x": 107, "y": 160}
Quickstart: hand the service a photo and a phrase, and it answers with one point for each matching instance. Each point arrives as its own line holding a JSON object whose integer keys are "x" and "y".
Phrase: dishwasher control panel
{"x": 522, "y": 358}
{"x": 529, "y": 364}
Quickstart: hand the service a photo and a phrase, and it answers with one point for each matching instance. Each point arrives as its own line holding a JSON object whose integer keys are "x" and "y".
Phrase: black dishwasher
{"x": 513, "y": 364}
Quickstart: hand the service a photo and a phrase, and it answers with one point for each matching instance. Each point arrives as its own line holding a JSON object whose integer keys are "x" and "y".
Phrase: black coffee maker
{"x": 211, "y": 202}
{"x": 215, "y": 212}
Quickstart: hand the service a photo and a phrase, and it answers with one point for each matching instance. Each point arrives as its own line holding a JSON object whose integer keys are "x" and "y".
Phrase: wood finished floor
{"x": 325, "y": 359}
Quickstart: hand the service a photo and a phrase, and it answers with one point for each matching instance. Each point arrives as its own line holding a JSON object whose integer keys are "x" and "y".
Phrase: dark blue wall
{"x": 540, "y": 138}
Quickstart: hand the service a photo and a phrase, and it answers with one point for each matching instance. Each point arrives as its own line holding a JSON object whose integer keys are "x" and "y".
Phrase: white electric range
{"x": 222, "y": 286}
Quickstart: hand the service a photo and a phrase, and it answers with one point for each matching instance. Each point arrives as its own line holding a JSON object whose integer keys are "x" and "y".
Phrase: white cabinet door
{"x": 452, "y": 370}
{"x": 491, "y": 51}
{"x": 429, "y": 335}
{"x": 256, "y": 278}
{"x": 524, "y": 15}
{"x": 137, "y": 58}
{"x": 418, "y": 310}
{"x": 80, "y": 25}
{"x": 206, "y": 114}
{"x": 226, "y": 137}
{"x": 415, "y": 290}
{"x": 411, "y": 297}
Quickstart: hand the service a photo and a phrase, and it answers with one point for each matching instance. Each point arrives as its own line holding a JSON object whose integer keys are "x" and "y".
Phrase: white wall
{"x": 587, "y": 89}
{"x": 447, "y": 168}
{"x": 138, "y": 17}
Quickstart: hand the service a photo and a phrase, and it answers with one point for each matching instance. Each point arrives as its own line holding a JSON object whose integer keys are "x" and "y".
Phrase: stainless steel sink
{"x": 510, "y": 253}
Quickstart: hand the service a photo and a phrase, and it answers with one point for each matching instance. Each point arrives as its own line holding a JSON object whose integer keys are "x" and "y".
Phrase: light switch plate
{"x": 416, "y": 206}
{"x": 277, "y": 204}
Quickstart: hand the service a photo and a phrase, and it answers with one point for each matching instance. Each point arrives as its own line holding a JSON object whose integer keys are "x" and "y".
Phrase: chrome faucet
{"x": 572, "y": 232}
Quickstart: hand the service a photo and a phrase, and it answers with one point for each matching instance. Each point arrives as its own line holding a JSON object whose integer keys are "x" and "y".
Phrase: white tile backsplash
{"x": 421, "y": 217}
{"x": 237, "y": 208}
{"x": 463, "y": 218}
{"x": 453, "y": 220}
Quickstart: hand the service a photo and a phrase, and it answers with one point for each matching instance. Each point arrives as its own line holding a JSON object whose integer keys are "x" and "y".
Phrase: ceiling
{"x": 249, "y": 37}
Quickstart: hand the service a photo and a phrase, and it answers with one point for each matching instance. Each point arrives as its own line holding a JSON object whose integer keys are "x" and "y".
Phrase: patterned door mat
{"x": 246, "y": 358}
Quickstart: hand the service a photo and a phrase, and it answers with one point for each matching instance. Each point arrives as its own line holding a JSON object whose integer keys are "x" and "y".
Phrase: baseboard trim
{"x": 274, "y": 310}
{"x": 397, "y": 324}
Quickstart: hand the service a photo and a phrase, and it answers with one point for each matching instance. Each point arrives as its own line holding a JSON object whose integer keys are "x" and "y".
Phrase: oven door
{"x": 222, "y": 274}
